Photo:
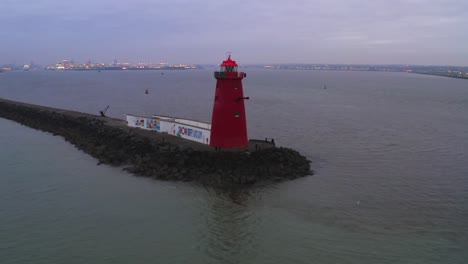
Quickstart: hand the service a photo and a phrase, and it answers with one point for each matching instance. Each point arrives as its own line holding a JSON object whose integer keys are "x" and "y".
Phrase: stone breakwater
{"x": 156, "y": 155}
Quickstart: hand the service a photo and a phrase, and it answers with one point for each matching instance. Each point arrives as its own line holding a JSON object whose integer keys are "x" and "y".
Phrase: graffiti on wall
{"x": 139, "y": 122}
{"x": 153, "y": 124}
{"x": 190, "y": 132}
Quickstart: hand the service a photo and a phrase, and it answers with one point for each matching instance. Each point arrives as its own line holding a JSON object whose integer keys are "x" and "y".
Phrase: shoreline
{"x": 156, "y": 155}
{"x": 442, "y": 75}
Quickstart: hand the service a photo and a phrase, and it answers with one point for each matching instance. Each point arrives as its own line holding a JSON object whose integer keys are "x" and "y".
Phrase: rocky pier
{"x": 157, "y": 155}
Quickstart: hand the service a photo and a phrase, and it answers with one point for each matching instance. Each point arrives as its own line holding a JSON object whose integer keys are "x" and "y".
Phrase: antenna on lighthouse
{"x": 228, "y": 53}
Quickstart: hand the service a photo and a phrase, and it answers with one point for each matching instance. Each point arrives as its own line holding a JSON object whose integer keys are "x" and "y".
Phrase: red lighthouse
{"x": 228, "y": 124}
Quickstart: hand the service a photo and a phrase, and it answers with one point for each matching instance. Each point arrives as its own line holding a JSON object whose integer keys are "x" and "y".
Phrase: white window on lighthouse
{"x": 229, "y": 68}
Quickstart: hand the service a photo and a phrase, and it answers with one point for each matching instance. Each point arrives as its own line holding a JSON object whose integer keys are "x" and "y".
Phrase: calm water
{"x": 389, "y": 151}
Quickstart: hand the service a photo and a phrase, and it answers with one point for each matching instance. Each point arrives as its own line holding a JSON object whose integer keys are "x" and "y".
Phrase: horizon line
{"x": 258, "y": 64}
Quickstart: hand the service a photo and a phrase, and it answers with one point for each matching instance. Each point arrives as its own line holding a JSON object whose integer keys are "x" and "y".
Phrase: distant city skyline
{"x": 70, "y": 65}
{"x": 256, "y": 32}
{"x": 266, "y": 65}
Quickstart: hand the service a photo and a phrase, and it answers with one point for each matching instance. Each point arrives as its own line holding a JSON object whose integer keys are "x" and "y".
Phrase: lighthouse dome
{"x": 229, "y": 62}
{"x": 229, "y": 65}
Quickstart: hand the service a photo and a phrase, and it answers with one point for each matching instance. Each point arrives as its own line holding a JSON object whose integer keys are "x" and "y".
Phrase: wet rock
{"x": 152, "y": 157}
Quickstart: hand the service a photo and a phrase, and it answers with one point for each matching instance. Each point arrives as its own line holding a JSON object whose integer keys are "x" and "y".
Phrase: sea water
{"x": 389, "y": 152}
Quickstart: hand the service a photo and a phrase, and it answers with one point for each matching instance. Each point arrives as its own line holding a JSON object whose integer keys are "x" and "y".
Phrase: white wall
{"x": 166, "y": 127}
{"x": 193, "y": 123}
{"x": 197, "y": 134}
{"x": 143, "y": 122}
{"x": 135, "y": 121}
{"x": 187, "y": 129}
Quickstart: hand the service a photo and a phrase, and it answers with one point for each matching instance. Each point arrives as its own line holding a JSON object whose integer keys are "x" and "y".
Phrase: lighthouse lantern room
{"x": 229, "y": 122}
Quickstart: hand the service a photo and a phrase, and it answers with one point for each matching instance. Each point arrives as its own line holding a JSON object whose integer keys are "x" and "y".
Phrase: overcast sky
{"x": 255, "y": 31}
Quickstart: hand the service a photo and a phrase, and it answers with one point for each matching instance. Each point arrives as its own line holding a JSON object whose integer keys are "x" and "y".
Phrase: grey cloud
{"x": 302, "y": 31}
